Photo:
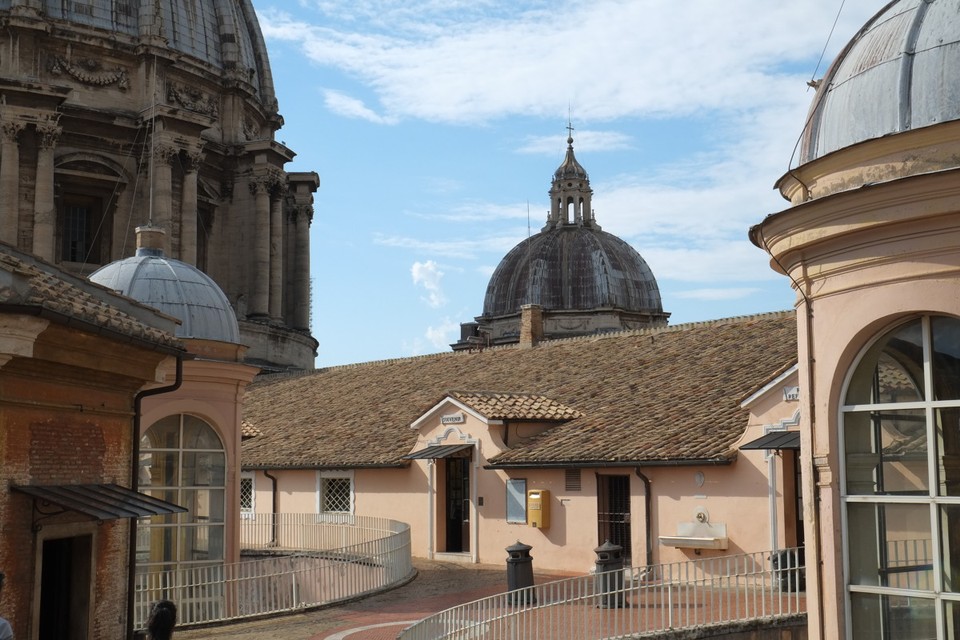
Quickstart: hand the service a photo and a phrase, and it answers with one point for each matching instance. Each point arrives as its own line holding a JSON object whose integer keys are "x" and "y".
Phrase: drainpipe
{"x": 276, "y": 506}
{"x": 135, "y": 486}
{"x": 648, "y": 526}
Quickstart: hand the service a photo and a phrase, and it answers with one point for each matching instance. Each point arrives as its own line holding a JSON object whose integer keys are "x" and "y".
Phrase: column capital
{"x": 48, "y": 135}
{"x": 10, "y": 130}
{"x": 166, "y": 152}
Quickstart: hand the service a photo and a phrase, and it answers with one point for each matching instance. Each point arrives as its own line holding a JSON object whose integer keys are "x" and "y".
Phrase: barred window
{"x": 246, "y": 493}
{"x": 336, "y": 494}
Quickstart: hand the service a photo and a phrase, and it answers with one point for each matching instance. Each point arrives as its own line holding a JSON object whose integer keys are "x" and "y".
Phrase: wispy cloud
{"x": 586, "y": 140}
{"x": 428, "y": 275}
{"x": 350, "y": 107}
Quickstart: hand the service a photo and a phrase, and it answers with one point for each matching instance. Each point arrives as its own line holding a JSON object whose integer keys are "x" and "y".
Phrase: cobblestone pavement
{"x": 437, "y": 586}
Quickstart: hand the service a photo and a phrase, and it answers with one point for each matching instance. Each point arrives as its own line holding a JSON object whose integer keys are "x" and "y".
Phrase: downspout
{"x": 135, "y": 486}
{"x": 648, "y": 525}
{"x": 275, "y": 495}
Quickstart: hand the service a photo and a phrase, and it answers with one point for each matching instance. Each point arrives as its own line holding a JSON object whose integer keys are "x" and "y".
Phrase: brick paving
{"x": 437, "y": 586}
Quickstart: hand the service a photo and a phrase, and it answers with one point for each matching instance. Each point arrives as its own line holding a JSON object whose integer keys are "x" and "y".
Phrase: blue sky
{"x": 435, "y": 126}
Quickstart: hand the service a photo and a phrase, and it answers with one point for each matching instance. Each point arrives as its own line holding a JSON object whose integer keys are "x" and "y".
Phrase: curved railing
{"x": 293, "y": 561}
{"x": 631, "y": 602}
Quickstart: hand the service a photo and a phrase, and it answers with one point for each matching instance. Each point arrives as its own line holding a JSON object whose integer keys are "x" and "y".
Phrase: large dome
{"x": 175, "y": 288}
{"x": 222, "y": 33}
{"x": 892, "y": 77}
{"x": 572, "y": 268}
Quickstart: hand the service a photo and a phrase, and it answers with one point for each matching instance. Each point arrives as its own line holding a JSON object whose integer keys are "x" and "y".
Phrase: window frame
{"x": 512, "y": 499}
{"x": 930, "y": 498}
{"x": 325, "y": 474}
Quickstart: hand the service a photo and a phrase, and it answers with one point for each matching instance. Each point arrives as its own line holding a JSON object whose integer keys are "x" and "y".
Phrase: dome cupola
{"x": 173, "y": 287}
{"x": 583, "y": 279}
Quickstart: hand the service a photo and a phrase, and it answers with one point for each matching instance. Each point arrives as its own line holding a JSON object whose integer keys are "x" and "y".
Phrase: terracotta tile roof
{"x": 28, "y": 283}
{"x": 669, "y": 394}
{"x": 247, "y": 430}
{"x": 515, "y": 406}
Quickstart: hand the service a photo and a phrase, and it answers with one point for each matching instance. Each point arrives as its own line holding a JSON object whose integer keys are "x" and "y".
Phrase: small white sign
{"x": 453, "y": 418}
{"x": 791, "y": 393}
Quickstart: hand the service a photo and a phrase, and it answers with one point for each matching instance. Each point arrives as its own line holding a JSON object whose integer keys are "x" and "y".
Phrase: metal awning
{"x": 100, "y": 501}
{"x": 776, "y": 440}
{"x": 440, "y": 451}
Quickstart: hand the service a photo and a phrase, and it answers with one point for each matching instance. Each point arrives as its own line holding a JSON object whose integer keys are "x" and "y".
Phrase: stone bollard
{"x": 520, "y": 574}
{"x": 609, "y": 575}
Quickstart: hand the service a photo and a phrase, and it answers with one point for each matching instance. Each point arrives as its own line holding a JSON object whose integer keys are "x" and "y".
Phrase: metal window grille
{"x": 246, "y": 495}
{"x": 335, "y": 493}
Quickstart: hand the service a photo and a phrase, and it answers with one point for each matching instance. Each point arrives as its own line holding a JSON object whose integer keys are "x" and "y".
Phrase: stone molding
{"x": 89, "y": 71}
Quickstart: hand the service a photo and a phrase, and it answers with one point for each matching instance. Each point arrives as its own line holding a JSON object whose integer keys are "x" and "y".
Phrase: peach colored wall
{"x": 864, "y": 261}
{"x": 211, "y": 391}
{"x": 733, "y": 494}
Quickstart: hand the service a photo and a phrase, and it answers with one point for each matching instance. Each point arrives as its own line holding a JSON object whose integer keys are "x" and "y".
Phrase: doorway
{"x": 65, "y": 588}
{"x": 613, "y": 513}
{"x": 457, "y": 492}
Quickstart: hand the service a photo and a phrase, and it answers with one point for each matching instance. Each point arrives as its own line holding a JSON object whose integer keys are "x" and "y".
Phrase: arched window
{"x": 900, "y": 483}
{"x": 182, "y": 461}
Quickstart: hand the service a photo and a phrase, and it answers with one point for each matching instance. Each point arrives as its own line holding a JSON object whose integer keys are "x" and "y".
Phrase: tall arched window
{"x": 900, "y": 444}
{"x": 182, "y": 460}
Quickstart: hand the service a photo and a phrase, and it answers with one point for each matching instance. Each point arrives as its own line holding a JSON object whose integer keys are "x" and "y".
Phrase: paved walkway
{"x": 437, "y": 586}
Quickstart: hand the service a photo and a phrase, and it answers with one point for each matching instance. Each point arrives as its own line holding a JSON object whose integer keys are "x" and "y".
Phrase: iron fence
{"x": 637, "y": 601}
{"x": 306, "y": 560}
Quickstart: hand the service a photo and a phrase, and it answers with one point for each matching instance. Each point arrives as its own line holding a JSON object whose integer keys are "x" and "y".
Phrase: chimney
{"x": 150, "y": 240}
{"x": 531, "y": 325}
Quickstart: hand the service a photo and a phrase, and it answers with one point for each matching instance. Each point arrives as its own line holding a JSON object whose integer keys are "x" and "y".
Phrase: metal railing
{"x": 306, "y": 560}
{"x": 631, "y": 602}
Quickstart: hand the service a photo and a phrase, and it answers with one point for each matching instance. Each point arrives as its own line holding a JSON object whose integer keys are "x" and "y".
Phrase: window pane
{"x": 517, "y": 500}
{"x": 892, "y": 370}
{"x": 203, "y": 469}
{"x": 336, "y": 494}
{"x": 950, "y": 543}
{"x": 197, "y": 434}
{"x": 951, "y": 617}
{"x": 886, "y": 452}
{"x": 948, "y": 456}
{"x": 163, "y": 434}
{"x": 892, "y": 545}
{"x": 201, "y": 543}
{"x": 875, "y": 616}
{"x": 246, "y": 494}
{"x": 946, "y": 358}
{"x": 205, "y": 505}
{"x": 160, "y": 469}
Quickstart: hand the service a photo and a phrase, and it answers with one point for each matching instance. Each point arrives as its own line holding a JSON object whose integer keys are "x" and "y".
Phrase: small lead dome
{"x": 173, "y": 287}
{"x": 897, "y": 74}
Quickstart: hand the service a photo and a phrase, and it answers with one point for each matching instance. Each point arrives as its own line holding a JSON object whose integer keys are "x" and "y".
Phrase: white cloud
{"x": 442, "y": 336}
{"x": 350, "y": 107}
{"x": 428, "y": 275}
{"x": 455, "y": 62}
{"x": 586, "y": 140}
{"x": 451, "y": 248}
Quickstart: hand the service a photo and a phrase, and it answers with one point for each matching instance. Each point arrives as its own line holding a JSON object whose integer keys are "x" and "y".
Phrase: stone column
{"x": 260, "y": 295}
{"x": 161, "y": 206}
{"x": 276, "y": 250}
{"x": 44, "y": 209}
{"x": 188, "y": 211}
{"x": 9, "y": 181}
{"x": 301, "y": 278}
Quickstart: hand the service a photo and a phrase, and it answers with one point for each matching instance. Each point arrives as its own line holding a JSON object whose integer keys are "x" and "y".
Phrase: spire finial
{"x": 569, "y": 130}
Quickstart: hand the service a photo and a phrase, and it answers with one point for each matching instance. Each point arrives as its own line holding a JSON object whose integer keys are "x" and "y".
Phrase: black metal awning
{"x": 776, "y": 440}
{"x": 440, "y": 451}
{"x": 100, "y": 501}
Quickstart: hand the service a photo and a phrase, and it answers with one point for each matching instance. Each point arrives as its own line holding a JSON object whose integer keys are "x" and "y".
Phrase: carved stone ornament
{"x": 192, "y": 99}
{"x": 49, "y": 135}
{"x": 90, "y": 71}
{"x": 11, "y": 131}
{"x": 251, "y": 131}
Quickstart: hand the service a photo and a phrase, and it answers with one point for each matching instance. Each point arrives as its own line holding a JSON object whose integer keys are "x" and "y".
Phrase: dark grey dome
{"x": 222, "y": 33}
{"x": 899, "y": 73}
{"x": 175, "y": 288}
{"x": 572, "y": 267}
